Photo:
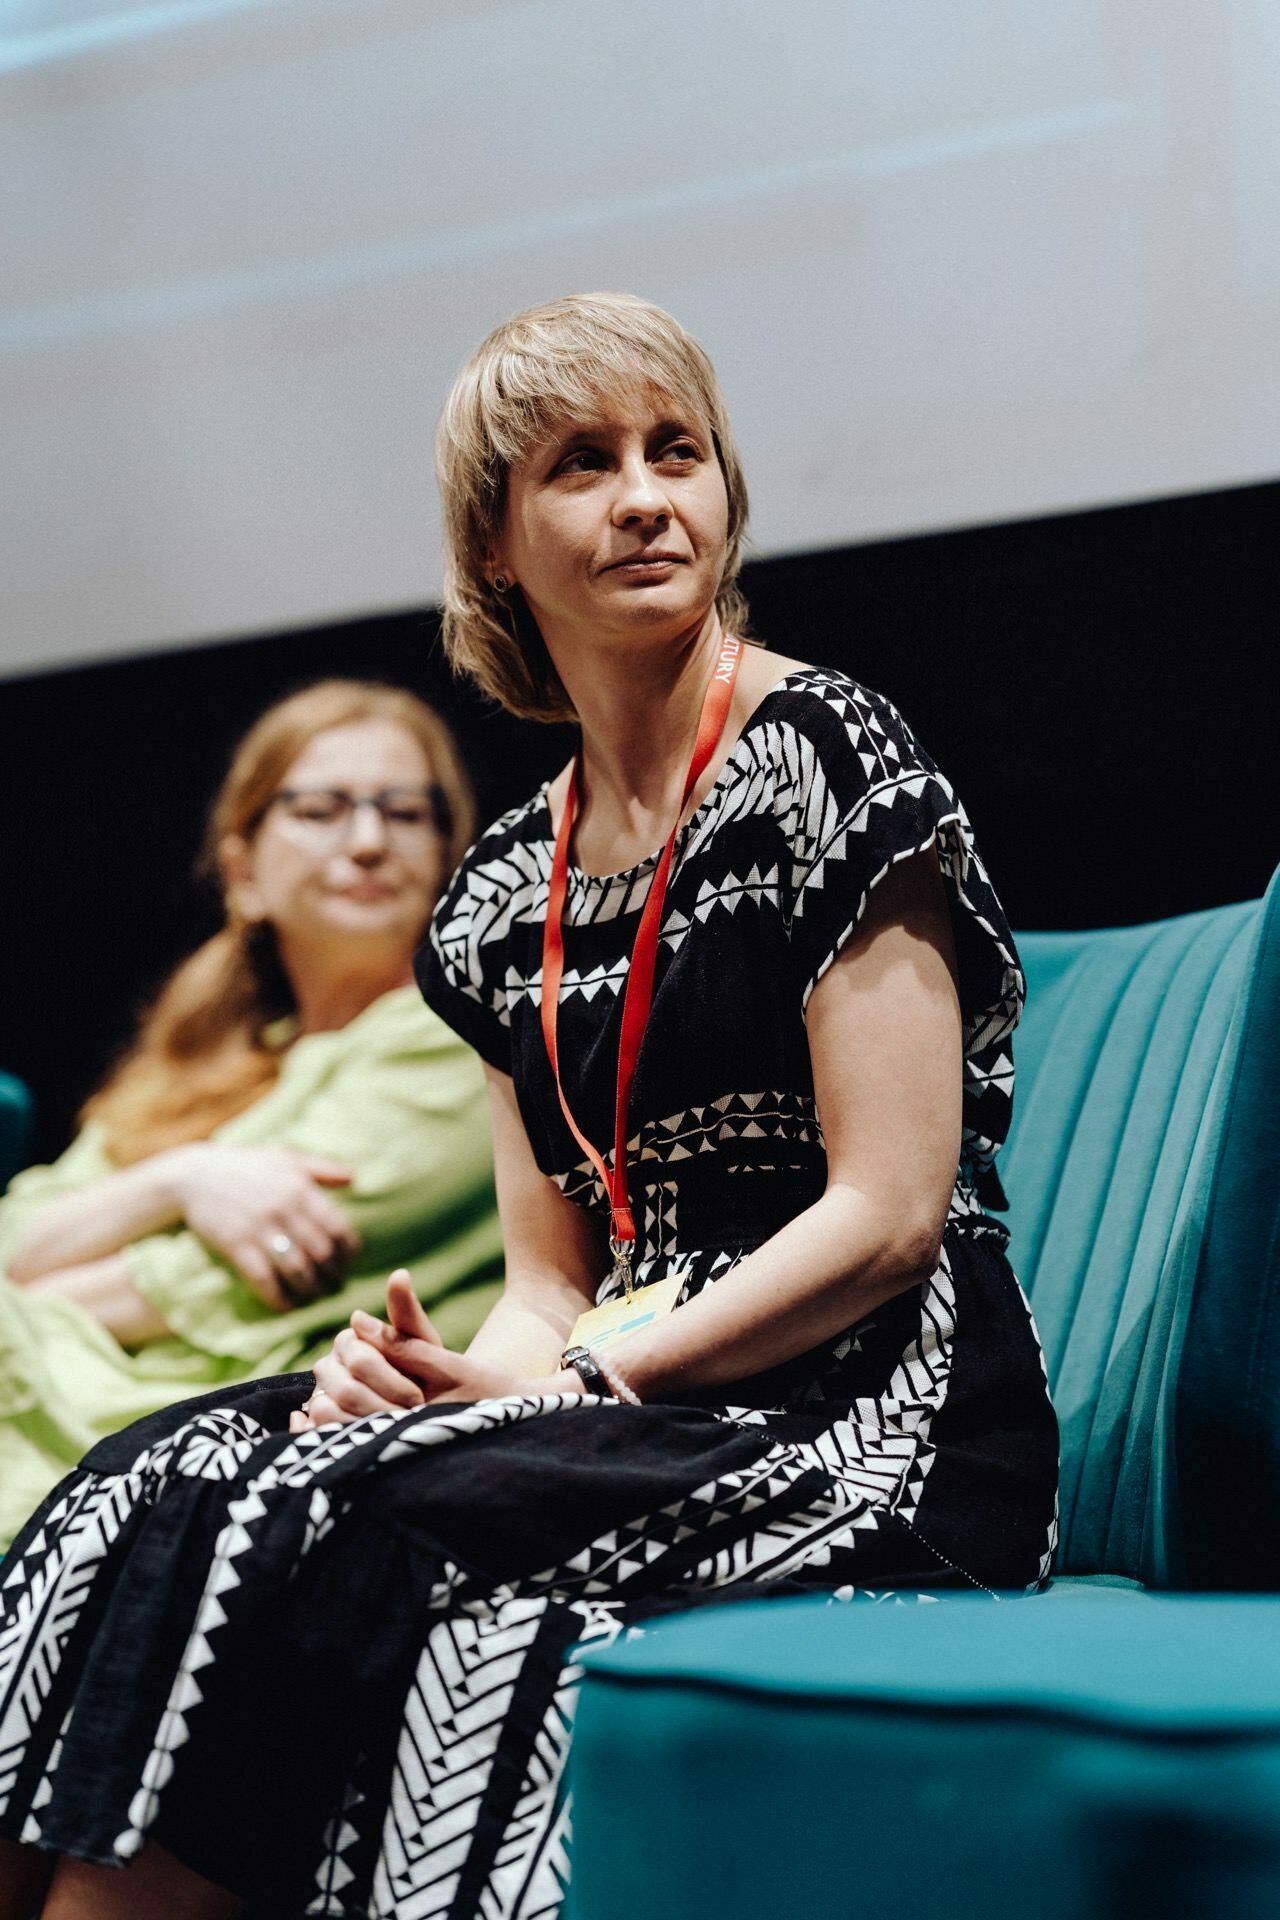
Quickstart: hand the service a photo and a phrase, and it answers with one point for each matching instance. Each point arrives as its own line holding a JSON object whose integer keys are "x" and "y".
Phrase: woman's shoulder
{"x": 824, "y": 735}
{"x": 833, "y": 708}
{"x": 507, "y": 849}
{"x": 501, "y": 869}
{"x": 498, "y": 888}
{"x": 398, "y": 1025}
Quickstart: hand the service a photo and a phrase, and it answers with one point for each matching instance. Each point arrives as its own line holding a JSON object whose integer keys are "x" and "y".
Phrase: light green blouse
{"x": 397, "y": 1097}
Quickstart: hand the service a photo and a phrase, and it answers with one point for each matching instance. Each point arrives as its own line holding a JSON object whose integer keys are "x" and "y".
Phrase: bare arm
{"x": 104, "y": 1289}
{"x": 885, "y": 1041}
{"x": 555, "y": 1255}
{"x": 101, "y": 1218}
{"x": 235, "y": 1198}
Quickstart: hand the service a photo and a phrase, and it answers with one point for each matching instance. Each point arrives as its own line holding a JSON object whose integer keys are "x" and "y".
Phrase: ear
{"x": 235, "y": 867}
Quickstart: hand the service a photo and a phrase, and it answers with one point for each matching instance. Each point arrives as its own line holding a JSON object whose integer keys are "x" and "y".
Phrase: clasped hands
{"x": 376, "y": 1367}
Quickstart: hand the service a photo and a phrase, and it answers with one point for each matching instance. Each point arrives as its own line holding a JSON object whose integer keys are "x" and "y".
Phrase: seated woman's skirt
{"x": 334, "y": 1671}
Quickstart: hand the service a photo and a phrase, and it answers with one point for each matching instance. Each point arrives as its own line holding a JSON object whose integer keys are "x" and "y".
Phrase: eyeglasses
{"x": 325, "y": 814}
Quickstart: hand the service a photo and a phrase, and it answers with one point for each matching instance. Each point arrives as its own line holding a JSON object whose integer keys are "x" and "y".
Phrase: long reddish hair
{"x": 200, "y": 1055}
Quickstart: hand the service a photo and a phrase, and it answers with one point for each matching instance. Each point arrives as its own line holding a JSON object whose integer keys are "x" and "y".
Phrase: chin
{"x": 649, "y": 609}
{"x": 374, "y": 919}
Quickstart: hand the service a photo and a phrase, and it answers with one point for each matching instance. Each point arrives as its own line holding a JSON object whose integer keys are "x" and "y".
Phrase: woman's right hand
{"x": 266, "y": 1210}
{"x": 360, "y": 1373}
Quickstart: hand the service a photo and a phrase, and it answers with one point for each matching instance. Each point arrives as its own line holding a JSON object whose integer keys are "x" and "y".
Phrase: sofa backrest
{"x": 1143, "y": 1173}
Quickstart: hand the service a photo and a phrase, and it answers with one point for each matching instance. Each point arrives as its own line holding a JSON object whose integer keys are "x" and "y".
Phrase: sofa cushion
{"x": 1098, "y": 1751}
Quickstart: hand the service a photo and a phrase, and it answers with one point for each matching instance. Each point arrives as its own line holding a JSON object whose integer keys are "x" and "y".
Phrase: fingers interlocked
{"x": 376, "y": 1368}
{"x": 358, "y": 1379}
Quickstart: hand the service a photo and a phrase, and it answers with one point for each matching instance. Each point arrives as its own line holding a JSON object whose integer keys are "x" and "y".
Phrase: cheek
{"x": 551, "y": 546}
{"x": 282, "y": 873}
{"x": 424, "y": 876}
{"x": 714, "y": 510}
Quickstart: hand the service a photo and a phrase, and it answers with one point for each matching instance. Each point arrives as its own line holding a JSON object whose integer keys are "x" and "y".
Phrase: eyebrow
{"x": 680, "y": 426}
{"x": 584, "y": 433}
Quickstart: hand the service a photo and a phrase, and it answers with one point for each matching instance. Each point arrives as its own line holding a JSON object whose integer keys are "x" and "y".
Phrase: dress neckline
{"x": 710, "y": 798}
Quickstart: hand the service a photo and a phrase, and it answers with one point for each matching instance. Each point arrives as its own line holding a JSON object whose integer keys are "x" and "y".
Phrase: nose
{"x": 640, "y": 498}
{"x": 367, "y": 835}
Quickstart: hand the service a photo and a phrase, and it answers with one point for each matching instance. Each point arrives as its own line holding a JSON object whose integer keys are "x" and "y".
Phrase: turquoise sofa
{"x": 1112, "y": 1745}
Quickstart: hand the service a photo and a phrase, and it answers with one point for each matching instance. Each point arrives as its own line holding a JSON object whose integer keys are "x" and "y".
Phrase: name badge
{"x": 599, "y": 1327}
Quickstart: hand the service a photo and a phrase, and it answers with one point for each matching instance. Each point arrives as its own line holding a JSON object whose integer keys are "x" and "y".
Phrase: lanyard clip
{"x": 621, "y": 1251}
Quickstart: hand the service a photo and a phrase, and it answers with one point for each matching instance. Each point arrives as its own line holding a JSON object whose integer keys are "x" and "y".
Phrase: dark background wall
{"x": 1097, "y": 685}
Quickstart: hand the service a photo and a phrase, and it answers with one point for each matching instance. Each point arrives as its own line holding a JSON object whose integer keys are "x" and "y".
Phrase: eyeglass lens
{"x": 327, "y": 812}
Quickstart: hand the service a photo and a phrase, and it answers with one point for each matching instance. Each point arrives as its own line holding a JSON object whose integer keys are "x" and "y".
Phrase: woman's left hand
{"x": 376, "y": 1368}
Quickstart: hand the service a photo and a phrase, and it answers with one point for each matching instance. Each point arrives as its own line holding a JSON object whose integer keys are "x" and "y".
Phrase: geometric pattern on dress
{"x": 772, "y": 765}
{"x": 789, "y": 1118}
{"x": 45, "y": 1590}
{"x": 776, "y": 771}
{"x": 788, "y": 1508}
{"x": 785, "y": 1511}
{"x": 795, "y": 1508}
{"x": 461, "y": 1700}
{"x": 767, "y": 1115}
{"x": 44, "y": 1593}
{"x": 531, "y": 1871}
{"x": 454, "y": 1715}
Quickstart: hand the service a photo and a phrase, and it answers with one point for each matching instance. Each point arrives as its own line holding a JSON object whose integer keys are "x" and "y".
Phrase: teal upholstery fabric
{"x": 15, "y": 1126}
{"x": 1228, "y": 1401}
{"x": 1099, "y": 1749}
{"x": 1142, "y": 1178}
{"x": 1089, "y": 1752}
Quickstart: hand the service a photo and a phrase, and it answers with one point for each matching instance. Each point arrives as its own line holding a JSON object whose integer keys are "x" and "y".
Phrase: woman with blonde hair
{"x": 289, "y": 1121}
{"x": 744, "y": 995}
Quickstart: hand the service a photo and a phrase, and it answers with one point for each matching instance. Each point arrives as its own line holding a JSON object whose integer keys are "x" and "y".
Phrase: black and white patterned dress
{"x": 333, "y": 1671}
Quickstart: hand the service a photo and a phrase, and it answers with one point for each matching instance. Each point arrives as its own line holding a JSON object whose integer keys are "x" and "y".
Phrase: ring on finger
{"x": 280, "y": 1246}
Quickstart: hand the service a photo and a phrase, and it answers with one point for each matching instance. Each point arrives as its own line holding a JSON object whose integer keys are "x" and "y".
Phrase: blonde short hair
{"x": 539, "y": 368}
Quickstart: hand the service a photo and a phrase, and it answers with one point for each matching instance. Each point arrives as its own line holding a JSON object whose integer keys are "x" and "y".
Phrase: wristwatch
{"x": 588, "y": 1370}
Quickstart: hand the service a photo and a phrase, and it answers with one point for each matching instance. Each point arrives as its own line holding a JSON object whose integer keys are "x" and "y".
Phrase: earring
{"x": 500, "y": 583}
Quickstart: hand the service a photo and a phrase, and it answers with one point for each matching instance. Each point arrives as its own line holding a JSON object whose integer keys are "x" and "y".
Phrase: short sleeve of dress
{"x": 864, "y": 795}
{"x": 462, "y": 965}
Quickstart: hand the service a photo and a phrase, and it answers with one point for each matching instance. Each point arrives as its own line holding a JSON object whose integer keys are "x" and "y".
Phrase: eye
{"x": 683, "y": 451}
{"x": 407, "y": 807}
{"x": 316, "y": 806}
{"x": 582, "y": 460}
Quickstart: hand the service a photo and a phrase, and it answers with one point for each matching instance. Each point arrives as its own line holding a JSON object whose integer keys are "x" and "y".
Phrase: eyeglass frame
{"x": 440, "y": 820}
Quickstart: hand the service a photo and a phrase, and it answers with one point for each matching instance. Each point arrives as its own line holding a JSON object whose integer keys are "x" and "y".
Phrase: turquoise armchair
{"x": 1112, "y": 1745}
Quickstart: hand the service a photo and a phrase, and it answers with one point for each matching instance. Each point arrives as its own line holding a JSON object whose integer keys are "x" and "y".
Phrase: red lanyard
{"x": 644, "y": 958}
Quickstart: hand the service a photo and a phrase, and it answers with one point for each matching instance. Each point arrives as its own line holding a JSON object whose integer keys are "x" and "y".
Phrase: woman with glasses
{"x": 290, "y": 1121}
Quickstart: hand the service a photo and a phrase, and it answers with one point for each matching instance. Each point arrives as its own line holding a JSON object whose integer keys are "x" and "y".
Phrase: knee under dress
{"x": 335, "y": 1671}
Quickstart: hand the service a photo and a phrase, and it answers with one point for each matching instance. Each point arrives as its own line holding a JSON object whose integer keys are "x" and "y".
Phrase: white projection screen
{"x": 957, "y": 263}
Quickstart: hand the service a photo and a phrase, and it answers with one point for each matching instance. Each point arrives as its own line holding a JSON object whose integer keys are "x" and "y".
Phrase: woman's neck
{"x": 329, "y": 996}
{"x": 639, "y": 724}
{"x": 639, "y": 714}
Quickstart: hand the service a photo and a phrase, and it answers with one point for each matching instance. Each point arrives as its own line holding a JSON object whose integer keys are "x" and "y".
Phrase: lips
{"x": 658, "y": 558}
{"x": 366, "y": 890}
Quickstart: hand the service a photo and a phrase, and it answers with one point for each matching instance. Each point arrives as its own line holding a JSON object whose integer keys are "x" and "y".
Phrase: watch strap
{"x": 588, "y": 1369}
